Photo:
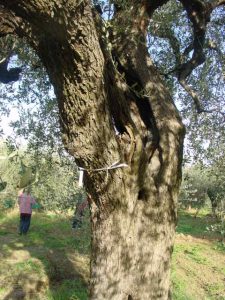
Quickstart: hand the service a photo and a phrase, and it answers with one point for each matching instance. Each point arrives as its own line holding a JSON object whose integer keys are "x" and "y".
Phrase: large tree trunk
{"x": 132, "y": 244}
{"x": 114, "y": 107}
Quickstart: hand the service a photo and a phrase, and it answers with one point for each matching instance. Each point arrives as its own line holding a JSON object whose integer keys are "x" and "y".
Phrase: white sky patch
{"x": 5, "y": 121}
{"x": 7, "y": 129}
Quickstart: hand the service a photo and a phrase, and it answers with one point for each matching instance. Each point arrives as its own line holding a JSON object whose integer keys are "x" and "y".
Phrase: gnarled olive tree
{"x": 114, "y": 107}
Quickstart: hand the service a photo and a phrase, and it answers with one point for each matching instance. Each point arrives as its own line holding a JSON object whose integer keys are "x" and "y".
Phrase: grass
{"x": 180, "y": 288}
{"x": 72, "y": 290}
{"x": 52, "y": 261}
{"x": 196, "y": 226}
{"x": 198, "y": 260}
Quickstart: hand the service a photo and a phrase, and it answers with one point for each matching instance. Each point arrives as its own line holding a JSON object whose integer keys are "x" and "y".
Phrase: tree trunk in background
{"x": 114, "y": 107}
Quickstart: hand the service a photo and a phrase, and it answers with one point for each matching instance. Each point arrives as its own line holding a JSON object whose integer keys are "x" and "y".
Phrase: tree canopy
{"x": 176, "y": 41}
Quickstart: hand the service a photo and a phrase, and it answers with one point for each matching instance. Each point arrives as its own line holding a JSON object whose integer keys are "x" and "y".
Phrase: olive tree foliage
{"x": 204, "y": 116}
{"x": 44, "y": 163}
{"x": 216, "y": 191}
{"x": 7, "y": 170}
{"x": 216, "y": 186}
{"x": 203, "y": 185}
{"x": 33, "y": 98}
{"x": 57, "y": 186}
{"x": 114, "y": 107}
{"x": 193, "y": 192}
{"x": 15, "y": 173}
{"x": 171, "y": 45}
{"x": 53, "y": 179}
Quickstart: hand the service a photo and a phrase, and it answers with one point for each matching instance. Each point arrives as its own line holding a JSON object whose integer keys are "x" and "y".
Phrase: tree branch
{"x": 193, "y": 94}
{"x": 199, "y": 14}
{"x": 197, "y": 101}
{"x": 217, "y": 3}
{"x": 175, "y": 45}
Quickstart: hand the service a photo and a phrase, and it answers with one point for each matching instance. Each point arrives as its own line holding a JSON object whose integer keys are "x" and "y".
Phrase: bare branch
{"x": 183, "y": 70}
{"x": 217, "y": 3}
{"x": 175, "y": 45}
{"x": 193, "y": 95}
{"x": 199, "y": 14}
{"x": 197, "y": 100}
{"x": 188, "y": 49}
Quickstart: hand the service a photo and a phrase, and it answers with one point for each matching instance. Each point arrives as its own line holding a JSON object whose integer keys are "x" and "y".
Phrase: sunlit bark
{"x": 114, "y": 107}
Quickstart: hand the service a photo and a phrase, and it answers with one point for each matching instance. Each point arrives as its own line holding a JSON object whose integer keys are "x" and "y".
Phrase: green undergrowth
{"x": 52, "y": 261}
{"x": 196, "y": 226}
{"x": 72, "y": 290}
{"x": 198, "y": 265}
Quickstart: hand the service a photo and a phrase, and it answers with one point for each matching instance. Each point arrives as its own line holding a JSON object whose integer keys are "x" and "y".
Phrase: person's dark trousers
{"x": 24, "y": 223}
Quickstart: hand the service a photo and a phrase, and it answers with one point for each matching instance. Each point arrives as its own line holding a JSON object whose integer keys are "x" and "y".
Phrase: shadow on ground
{"x": 50, "y": 262}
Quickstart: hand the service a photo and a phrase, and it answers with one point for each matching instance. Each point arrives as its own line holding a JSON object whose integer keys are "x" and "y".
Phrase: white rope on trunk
{"x": 113, "y": 166}
{"x": 81, "y": 176}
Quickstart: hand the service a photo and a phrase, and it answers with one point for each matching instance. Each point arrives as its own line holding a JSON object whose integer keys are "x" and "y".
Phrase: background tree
{"x": 193, "y": 193}
{"x": 216, "y": 186}
{"x": 53, "y": 179}
{"x": 202, "y": 183}
{"x": 57, "y": 186}
{"x": 15, "y": 171}
{"x": 115, "y": 107}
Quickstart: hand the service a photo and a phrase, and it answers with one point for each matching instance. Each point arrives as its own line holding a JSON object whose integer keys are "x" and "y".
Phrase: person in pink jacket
{"x": 25, "y": 201}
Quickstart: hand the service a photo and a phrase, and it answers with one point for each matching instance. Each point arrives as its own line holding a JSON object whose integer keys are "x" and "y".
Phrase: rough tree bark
{"x": 113, "y": 107}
